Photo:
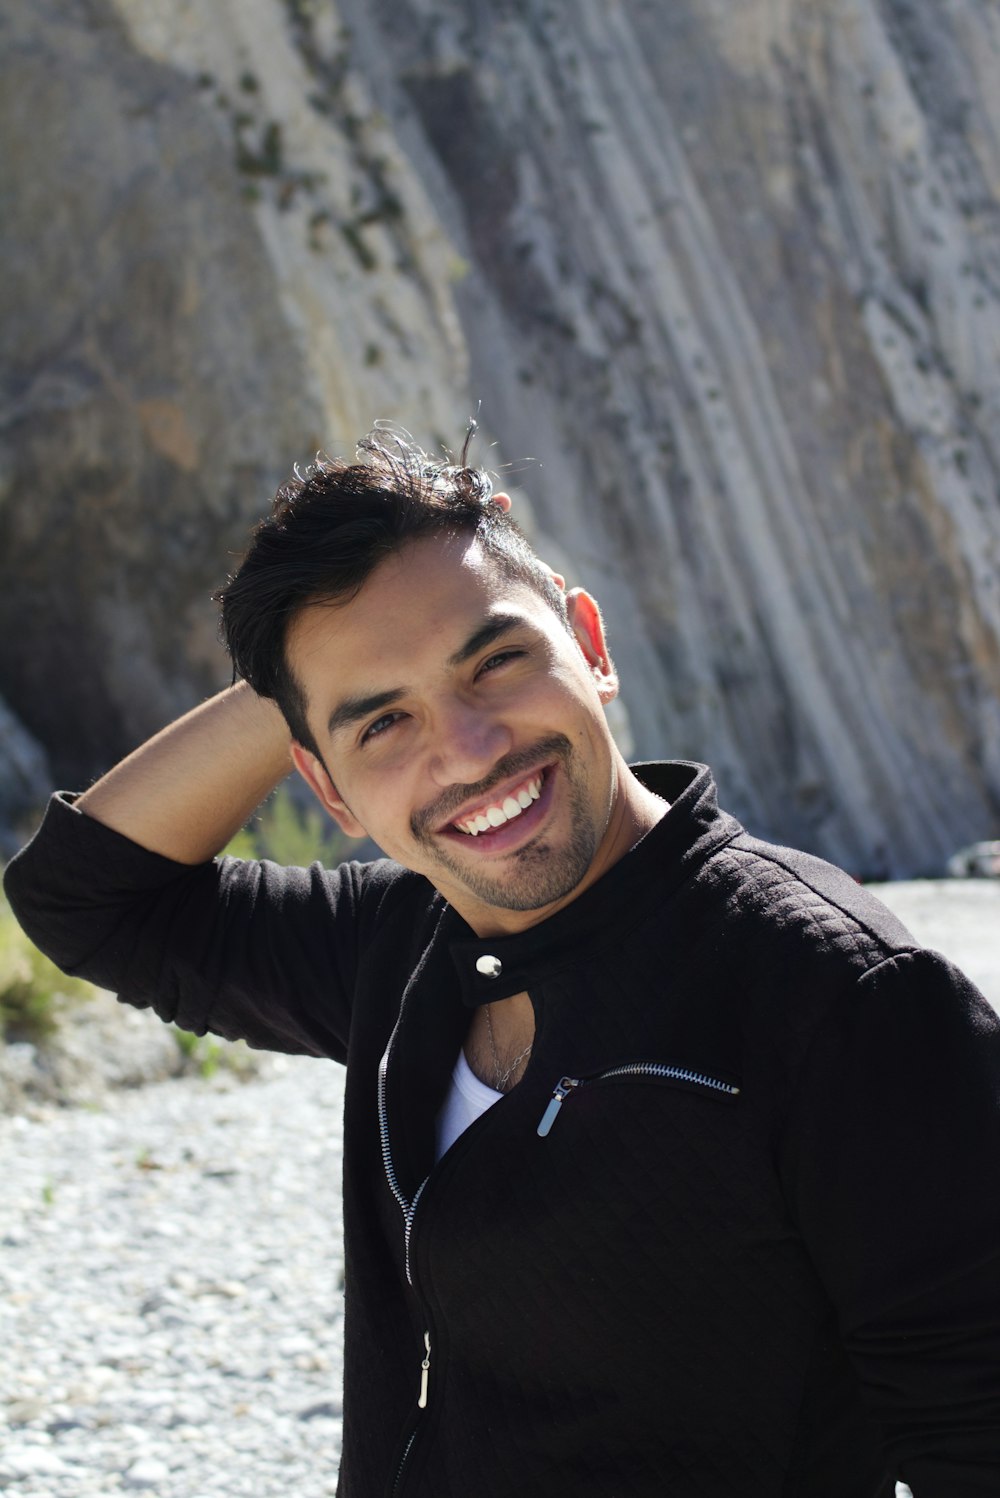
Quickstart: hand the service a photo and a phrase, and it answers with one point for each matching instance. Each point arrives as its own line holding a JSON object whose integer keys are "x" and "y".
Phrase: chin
{"x": 540, "y": 875}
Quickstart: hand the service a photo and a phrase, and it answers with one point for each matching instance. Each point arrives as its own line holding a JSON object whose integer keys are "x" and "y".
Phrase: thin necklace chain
{"x": 502, "y": 1076}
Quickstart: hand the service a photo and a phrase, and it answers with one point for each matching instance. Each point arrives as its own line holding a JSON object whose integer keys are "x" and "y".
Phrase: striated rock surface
{"x": 25, "y": 779}
{"x": 180, "y": 336}
{"x": 731, "y": 274}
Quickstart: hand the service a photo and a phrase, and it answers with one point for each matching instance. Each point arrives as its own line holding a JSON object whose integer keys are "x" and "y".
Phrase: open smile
{"x": 508, "y": 816}
{"x": 495, "y": 813}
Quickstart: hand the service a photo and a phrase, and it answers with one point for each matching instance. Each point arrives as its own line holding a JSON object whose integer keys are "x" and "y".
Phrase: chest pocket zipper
{"x": 568, "y": 1085}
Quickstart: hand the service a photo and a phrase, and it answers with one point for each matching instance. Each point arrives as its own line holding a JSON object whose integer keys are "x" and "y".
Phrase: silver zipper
{"x": 559, "y": 1096}
{"x": 402, "y": 1462}
{"x": 567, "y": 1085}
{"x": 425, "y": 1372}
{"x": 408, "y": 1208}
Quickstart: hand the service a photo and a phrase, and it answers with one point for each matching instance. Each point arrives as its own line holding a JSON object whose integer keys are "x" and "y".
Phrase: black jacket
{"x": 754, "y": 1253}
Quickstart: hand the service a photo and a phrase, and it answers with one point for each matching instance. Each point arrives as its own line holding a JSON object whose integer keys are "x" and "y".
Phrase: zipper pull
{"x": 425, "y": 1372}
{"x": 559, "y": 1096}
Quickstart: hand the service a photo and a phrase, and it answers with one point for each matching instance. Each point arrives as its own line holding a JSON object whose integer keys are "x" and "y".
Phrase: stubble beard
{"x": 537, "y": 874}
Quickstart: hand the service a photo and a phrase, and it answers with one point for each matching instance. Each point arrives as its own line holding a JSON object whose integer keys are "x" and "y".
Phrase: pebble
{"x": 31, "y": 1461}
{"x": 171, "y": 1291}
{"x": 147, "y": 1474}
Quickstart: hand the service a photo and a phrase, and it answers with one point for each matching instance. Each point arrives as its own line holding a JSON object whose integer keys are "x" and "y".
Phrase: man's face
{"x": 461, "y": 727}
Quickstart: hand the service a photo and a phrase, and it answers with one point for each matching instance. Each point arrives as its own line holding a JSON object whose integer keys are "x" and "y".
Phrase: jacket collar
{"x": 661, "y": 861}
{"x": 446, "y": 983}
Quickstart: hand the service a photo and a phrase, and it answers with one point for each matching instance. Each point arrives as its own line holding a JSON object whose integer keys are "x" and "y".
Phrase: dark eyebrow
{"x": 353, "y": 709}
{"x": 498, "y": 625}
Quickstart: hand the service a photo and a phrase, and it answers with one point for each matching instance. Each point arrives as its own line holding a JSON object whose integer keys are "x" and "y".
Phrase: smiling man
{"x": 670, "y": 1158}
{"x": 460, "y": 713}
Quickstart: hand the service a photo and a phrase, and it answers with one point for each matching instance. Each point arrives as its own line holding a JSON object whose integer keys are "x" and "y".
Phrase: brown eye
{"x": 499, "y": 659}
{"x": 380, "y": 726}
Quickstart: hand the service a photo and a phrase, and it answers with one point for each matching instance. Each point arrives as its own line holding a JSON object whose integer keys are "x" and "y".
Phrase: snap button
{"x": 490, "y": 967}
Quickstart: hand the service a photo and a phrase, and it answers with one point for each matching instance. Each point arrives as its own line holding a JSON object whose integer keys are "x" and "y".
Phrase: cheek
{"x": 382, "y": 802}
{"x": 563, "y": 687}
{"x": 576, "y": 693}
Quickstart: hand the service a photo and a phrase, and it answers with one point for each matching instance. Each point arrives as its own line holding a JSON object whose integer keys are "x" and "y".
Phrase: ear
{"x": 588, "y": 630}
{"x": 314, "y": 773}
{"x": 501, "y": 500}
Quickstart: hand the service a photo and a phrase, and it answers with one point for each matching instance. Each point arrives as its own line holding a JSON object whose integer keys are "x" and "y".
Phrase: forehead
{"x": 416, "y": 608}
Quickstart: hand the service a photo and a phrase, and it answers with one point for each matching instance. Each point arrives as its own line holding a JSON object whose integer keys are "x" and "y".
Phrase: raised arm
{"x": 188, "y": 790}
{"x": 130, "y": 896}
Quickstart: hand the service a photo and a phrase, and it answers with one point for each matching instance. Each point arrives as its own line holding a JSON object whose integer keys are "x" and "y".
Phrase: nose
{"x": 468, "y": 742}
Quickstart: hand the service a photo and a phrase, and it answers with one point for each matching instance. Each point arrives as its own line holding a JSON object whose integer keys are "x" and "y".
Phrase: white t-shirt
{"x": 467, "y": 1099}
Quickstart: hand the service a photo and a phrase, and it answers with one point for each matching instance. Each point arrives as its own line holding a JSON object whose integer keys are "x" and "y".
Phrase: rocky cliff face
{"x": 731, "y": 274}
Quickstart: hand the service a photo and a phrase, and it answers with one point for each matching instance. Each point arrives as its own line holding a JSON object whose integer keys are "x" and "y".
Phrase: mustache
{"x": 443, "y": 809}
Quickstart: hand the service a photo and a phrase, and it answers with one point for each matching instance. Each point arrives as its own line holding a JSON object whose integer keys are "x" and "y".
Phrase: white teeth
{"x": 496, "y": 816}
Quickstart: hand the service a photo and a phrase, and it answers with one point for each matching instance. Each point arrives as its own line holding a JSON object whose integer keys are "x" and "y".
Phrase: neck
{"x": 636, "y": 809}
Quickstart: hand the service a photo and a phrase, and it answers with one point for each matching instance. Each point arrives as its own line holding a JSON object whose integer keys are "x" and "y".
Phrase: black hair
{"x": 331, "y": 526}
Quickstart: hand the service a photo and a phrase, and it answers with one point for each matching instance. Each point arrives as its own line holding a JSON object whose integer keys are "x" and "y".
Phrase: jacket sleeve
{"x": 892, "y": 1165}
{"x": 248, "y": 950}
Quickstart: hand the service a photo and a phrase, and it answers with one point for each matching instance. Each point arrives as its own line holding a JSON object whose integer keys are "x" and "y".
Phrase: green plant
{"x": 33, "y": 992}
{"x": 243, "y": 845}
{"x": 204, "y": 1053}
{"x": 289, "y": 834}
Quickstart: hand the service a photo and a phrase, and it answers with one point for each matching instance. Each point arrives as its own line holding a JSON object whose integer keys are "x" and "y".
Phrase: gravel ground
{"x": 959, "y": 917}
{"x": 171, "y": 1270}
{"x": 171, "y": 1291}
